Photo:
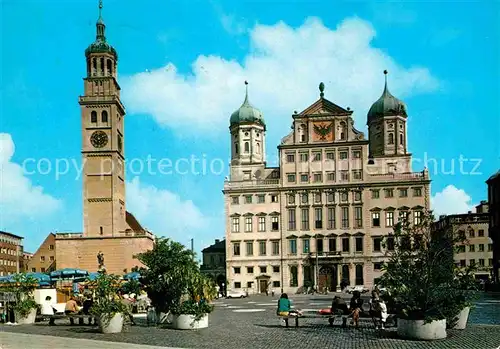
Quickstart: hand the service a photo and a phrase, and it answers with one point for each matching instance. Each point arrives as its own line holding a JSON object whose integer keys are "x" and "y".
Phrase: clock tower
{"x": 102, "y": 113}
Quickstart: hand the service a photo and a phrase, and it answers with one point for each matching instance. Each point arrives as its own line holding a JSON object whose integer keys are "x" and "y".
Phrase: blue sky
{"x": 181, "y": 67}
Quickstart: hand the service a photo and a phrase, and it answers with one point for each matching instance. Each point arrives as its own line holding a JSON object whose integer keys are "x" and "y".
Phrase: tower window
{"x": 93, "y": 117}
{"x": 236, "y": 148}
{"x": 257, "y": 148}
{"x": 100, "y": 230}
{"x": 94, "y": 66}
{"x": 104, "y": 116}
{"x": 247, "y": 147}
{"x": 391, "y": 138}
{"x": 102, "y": 66}
{"x": 400, "y": 138}
{"x": 110, "y": 67}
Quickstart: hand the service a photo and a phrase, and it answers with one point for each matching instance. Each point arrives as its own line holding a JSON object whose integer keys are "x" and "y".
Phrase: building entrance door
{"x": 263, "y": 286}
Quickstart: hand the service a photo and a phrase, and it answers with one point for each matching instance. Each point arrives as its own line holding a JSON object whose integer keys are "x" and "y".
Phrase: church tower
{"x": 387, "y": 125}
{"x": 248, "y": 138}
{"x": 103, "y": 158}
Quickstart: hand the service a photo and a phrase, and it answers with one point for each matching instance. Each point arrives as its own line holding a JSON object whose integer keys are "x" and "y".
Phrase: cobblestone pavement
{"x": 252, "y": 323}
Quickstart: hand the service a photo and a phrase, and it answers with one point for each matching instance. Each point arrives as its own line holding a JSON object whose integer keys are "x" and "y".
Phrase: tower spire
{"x": 385, "y": 86}
{"x": 246, "y": 93}
{"x": 100, "y": 25}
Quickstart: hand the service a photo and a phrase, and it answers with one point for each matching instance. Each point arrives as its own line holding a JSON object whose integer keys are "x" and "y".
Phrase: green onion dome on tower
{"x": 100, "y": 45}
{"x": 247, "y": 113}
{"x": 386, "y": 105}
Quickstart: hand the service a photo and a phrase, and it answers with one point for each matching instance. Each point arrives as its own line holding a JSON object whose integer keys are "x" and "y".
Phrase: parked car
{"x": 361, "y": 289}
{"x": 237, "y": 294}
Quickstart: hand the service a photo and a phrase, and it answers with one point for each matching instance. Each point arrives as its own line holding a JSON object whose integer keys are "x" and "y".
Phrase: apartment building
{"x": 11, "y": 253}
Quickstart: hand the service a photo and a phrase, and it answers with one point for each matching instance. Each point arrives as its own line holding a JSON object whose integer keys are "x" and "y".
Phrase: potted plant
{"x": 175, "y": 284}
{"x": 108, "y": 307}
{"x": 466, "y": 289}
{"x": 22, "y": 287}
{"x": 420, "y": 280}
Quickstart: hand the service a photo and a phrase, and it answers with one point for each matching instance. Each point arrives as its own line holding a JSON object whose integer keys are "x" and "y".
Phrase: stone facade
{"x": 11, "y": 253}
{"x": 478, "y": 248}
{"x": 44, "y": 259}
{"x": 214, "y": 262}
{"x": 318, "y": 218}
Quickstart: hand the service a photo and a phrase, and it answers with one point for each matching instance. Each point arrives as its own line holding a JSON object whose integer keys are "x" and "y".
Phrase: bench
{"x": 71, "y": 317}
{"x": 331, "y": 318}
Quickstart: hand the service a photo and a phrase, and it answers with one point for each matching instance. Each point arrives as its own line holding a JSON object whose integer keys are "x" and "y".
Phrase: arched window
{"x": 359, "y": 274}
{"x": 94, "y": 66}
{"x": 342, "y": 130}
{"x": 93, "y": 117}
{"x": 294, "y": 281}
{"x": 110, "y": 67}
{"x": 104, "y": 116}
{"x": 100, "y": 230}
{"x": 391, "y": 138}
{"x": 247, "y": 147}
{"x": 102, "y": 66}
{"x": 257, "y": 148}
{"x": 236, "y": 148}
{"x": 345, "y": 274}
{"x": 400, "y": 138}
{"x": 302, "y": 133}
{"x": 89, "y": 67}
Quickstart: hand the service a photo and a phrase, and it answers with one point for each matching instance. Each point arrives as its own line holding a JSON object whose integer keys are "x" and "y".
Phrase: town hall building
{"x": 321, "y": 216}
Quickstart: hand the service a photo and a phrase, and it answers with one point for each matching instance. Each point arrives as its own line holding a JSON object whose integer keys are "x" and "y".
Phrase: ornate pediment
{"x": 323, "y": 107}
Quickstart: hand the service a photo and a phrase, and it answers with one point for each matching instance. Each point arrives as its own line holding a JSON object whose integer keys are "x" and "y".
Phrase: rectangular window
{"x": 291, "y": 177}
{"x": 249, "y": 284}
{"x": 235, "y": 225}
{"x": 377, "y": 244}
{"x": 236, "y": 249}
{"x": 319, "y": 245}
{"x": 375, "y": 194}
{"x": 51, "y": 258}
{"x": 250, "y": 248}
{"x": 359, "y": 244}
{"x": 276, "y": 284}
{"x": 291, "y": 219}
{"x": 291, "y": 199}
{"x": 276, "y": 269}
{"x": 490, "y": 262}
{"x": 330, "y": 176}
{"x": 249, "y": 270}
{"x": 403, "y": 193}
{"x": 377, "y": 266}
{"x": 462, "y": 263}
{"x": 472, "y": 248}
{"x": 390, "y": 243}
{"x": 248, "y": 199}
{"x": 481, "y": 247}
{"x": 343, "y": 155}
{"x": 290, "y": 157}
{"x": 389, "y": 193}
{"x": 330, "y": 197}
{"x": 344, "y": 197}
{"x": 417, "y": 217}
{"x": 358, "y": 217}
{"x": 330, "y": 155}
{"x": 357, "y": 175}
{"x": 472, "y": 262}
{"x": 389, "y": 219}
{"x": 42, "y": 270}
{"x": 293, "y": 246}
{"x": 304, "y": 198}
{"x": 345, "y": 217}
{"x": 481, "y": 262}
{"x": 261, "y": 199}
{"x": 51, "y": 247}
{"x": 345, "y": 244}
{"x": 480, "y": 233}
{"x": 263, "y": 269}
{"x": 318, "y": 218}
{"x": 237, "y": 285}
{"x": 490, "y": 247}
{"x": 357, "y": 195}
{"x": 248, "y": 224}
{"x": 274, "y": 223}
{"x": 317, "y": 177}
{"x": 274, "y": 198}
{"x": 276, "y": 248}
{"x": 356, "y": 154}
{"x": 317, "y": 198}
{"x": 304, "y": 177}
{"x": 316, "y": 156}
{"x": 331, "y": 217}
{"x": 235, "y": 200}
{"x": 304, "y": 157}
{"x": 306, "y": 246}
{"x": 262, "y": 248}
{"x": 332, "y": 244}
{"x": 42, "y": 258}
{"x": 237, "y": 270}
{"x": 344, "y": 175}
{"x": 304, "y": 219}
{"x": 417, "y": 191}
{"x": 403, "y": 216}
{"x": 262, "y": 224}
{"x": 471, "y": 233}
{"x": 33, "y": 270}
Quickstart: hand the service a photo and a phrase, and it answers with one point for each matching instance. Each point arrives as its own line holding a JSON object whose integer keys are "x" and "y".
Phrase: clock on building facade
{"x": 99, "y": 139}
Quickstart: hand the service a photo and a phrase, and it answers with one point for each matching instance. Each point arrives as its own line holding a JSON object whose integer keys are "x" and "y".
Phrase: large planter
{"x": 460, "y": 321}
{"x": 188, "y": 322}
{"x": 416, "y": 329}
{"x": 25, "y": 320}
{"x": 111, "y": 325}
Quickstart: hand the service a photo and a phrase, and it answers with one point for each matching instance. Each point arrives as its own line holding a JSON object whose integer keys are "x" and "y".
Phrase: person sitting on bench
{"x": 285, "y": 308}
{"x": 47, "y": 308}
{"x": 71, "y": 308}
{"x": 355, "y": 307}
{"x": 378, "y": 310}
{"x": 339, "y": 308}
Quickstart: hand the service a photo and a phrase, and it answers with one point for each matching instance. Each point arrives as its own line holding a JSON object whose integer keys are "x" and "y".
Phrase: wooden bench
{"x": 331, "y": 318}
{"x": 71, "y": 317}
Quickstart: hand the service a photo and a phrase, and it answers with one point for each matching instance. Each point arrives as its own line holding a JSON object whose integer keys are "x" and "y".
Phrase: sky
{"x": 182, "y": 67}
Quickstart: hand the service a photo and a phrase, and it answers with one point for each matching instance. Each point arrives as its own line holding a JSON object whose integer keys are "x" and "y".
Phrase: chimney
{"x": 217, "y": 241}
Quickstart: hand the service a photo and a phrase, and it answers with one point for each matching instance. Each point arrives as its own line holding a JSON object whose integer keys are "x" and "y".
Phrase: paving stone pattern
{"x": 229, "y": 328}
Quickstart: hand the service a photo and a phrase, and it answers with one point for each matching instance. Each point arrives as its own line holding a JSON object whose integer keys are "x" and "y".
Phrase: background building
{"x": 108, "y": 227}
{"x": 318, "y": 218}
{"x": 478, "y": 249}
{"x": 494, "y": 224}
{"x": 26, "y": 258}
{"x": 11, "y": 253}
{"x": 44, "y": 259}
{"x": 214, "y": 262}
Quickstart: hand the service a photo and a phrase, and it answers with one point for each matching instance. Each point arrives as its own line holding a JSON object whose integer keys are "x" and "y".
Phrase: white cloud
{"x": 19, "y": 198}
{"x": 284, "y": 67}
{"x": 165, "y": 213}
{"x": 451, "y": 200}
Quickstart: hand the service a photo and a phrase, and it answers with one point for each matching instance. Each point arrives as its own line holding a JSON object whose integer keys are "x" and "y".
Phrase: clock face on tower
{"x": 99, "y": 139}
